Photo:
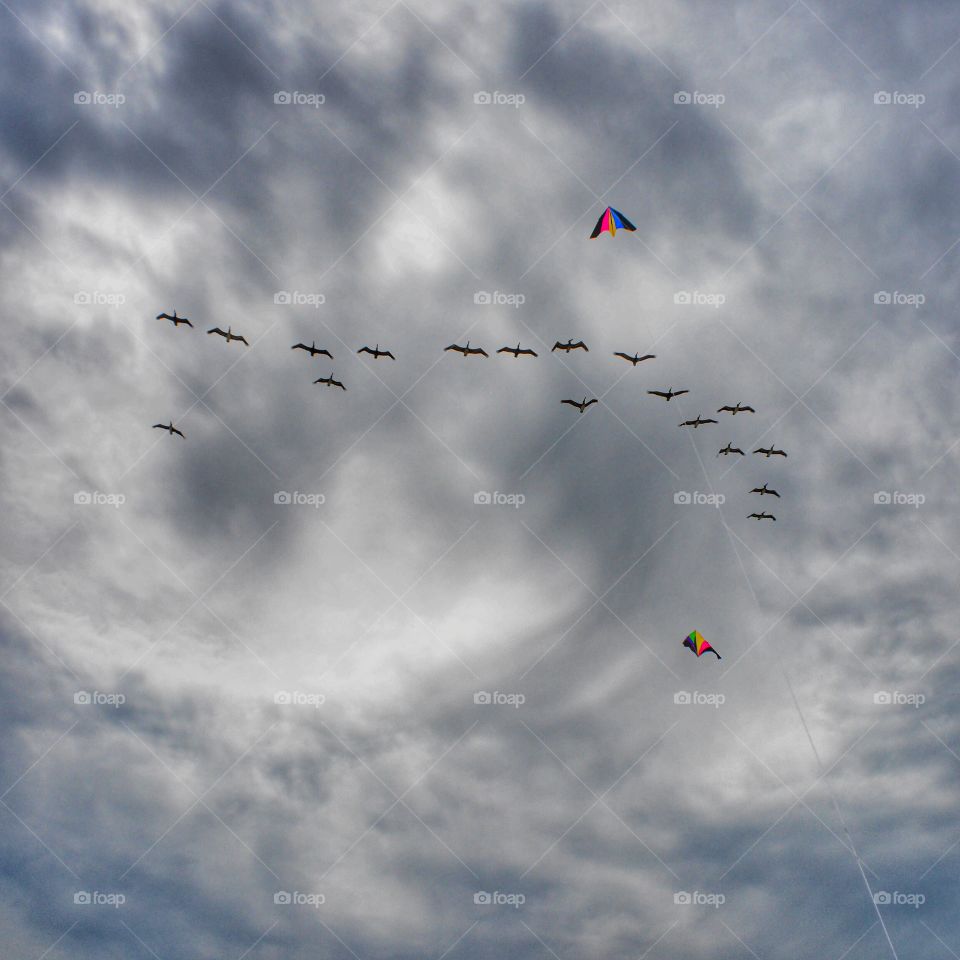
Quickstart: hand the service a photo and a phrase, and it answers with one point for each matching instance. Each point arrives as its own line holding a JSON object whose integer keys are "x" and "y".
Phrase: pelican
{"x": 699, "y": 422}
{"x": 636, "y": 358}
{"x": 330, "y": 382}
{"x": 728, "y": 449}
{"x": 169, "y": 427}
{"x": 175, "y": 320}
{"x": 313, "y": 349}
{"x": 377, "y": 352}
{"x": 467, "y": 350}
{"x": 570, "y": 345}
{"x": 761, "y": 516}
{"x": 765, "y": 489}
{"x": 517, "y": 352}
{"x": 738, "y": 408}
{"x": 667, "y": 395}
{"x": 229, "y": 335}
{"x": 769, "y": 452}
{"x": 581, "y": 405}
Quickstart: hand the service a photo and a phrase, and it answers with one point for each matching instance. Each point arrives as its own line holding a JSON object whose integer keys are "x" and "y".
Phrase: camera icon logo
{"x": 281, "y": 896}
{"x": 482, "y": 897}
{"x": 881, "y": 898}
{"x": 282, "y": 297}
{"x": 82, "y": 697}
{"x": 81, "y": 896}
{"x": 482, "y": 97}
{"x": 681, "y": 496}
{"x": 282, "y": 697}
{"x": 681, "y": 96}
{"x": 282, "y": 96}
{"x": 281, "y": 496}
{"x": 81, "y": 96}
{"x": 82, "y": 497}
{"x": 482, "y": 697}
{"x": 881, "y": 297}
{"x": 881, "y": 496}
{"x": 682, "y": 897}
{"x": 882, "y": 97}
{"x": 82, "y": 298}
{"x": 681, "y": 297}
{"x": 482, "y": 297}
{"x": 882, "y": 697}
{"x": 482, "y": 497}
{"x": 682, "y": 697}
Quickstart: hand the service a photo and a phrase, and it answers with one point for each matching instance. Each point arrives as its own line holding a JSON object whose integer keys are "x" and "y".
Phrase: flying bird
{"x": 699, "y": 422}
{"x": 377, "y": 352}
{"x": 467, "y": 351}
{"x": 769, "y": 452}
{"x": 330, "y": 382}
{"x": 611, "y": 220}
{"x": 175, "y": 320}
{"x": 667, "y": 395}
{"x": 229, "y": 335}
{"x": 581, "y": 405}
{"x": 728, "y": 449}
{"x": 570, "y": 345}
{"x": 695, "y": 642}
{"x": 517, "y": 352}
{"x": 169, "y": 427}
{"x": 765, "y": 489}
{"x": 313, "y": 349}
{"x": 636, "y": 358}
{"x": 738, "y": 408}
{"x": 761, "y": 516}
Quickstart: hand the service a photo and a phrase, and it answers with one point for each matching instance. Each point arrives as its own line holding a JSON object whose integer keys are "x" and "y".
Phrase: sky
{"x": 396, "y": 671}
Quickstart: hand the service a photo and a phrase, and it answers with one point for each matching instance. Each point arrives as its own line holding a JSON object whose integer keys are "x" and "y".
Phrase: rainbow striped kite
{"x": 611, "y": 220}
{"x": 698, "y": 645}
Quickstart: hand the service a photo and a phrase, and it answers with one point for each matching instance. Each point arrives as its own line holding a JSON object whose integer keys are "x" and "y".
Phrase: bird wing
{"x": 299, "y": 346}
{"x": 573, "y": 403}
{"x": 217, "y": 330}
{"x": 185, "y": 320}
{"x": 759, "y": 450}
{"x": 780, "y": 453}
{"x": 649, "y": 356}
{"x": 162, "y": 426}
{"x": 658, "y": 393}
{"x": 756, "y": 490}
{"x": 580, "y": 345}
{"x": 507, "y": 350}
{"x": 243, "y": 340}
{"x": 625, "y": 356}
{"x": 774, "y": 493}
{"x": 484, "y": 352}
{"x": 364, "y": 350}
{"x": 738, "y": 450}
{"x": 164, "y": 316}
{"x": 725, "y": 409}
{"x": 748, "y": 410}
{"x": 531, "y": 353}
{"x": 708, "y": 420}
{"x": 179, "y": 432}
{"x": 557, "y": 346}
{"x": 387, "y": 353}
{"x": 453, "y": 346}
{"x": 339, "y": 384}
{"x": 587, "y": 404}
{"x": 678, "y": 393}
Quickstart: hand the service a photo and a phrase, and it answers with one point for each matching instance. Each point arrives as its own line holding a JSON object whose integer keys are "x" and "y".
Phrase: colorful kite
{"x": 611, "y": 220}
{"x": 698, "y": 645}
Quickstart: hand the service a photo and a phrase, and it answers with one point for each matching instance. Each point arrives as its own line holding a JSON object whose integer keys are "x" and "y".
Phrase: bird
{"x": 467, "y": 350}
{"x": 667, "y": 394}
{"x": 175, "y": 320}
{"x": 636, "y": 358}
{"x": 770, "y": 452}
{"x": 169, "y": 427}
{"x": 728, "y": 449}
{"x": 377, "y": 352}
{"x": 570, "y": 345}
{"x": 765, "y": 489}
{"x": 761, "y": 516}
{"x": 581, "y": 405}
{"x": 330, "y": 382}
{"x": 229, "y": 335}
{"x": 699, "y": 422}
{"x": 739, "y": 408}
{"x": 313, "y": 349}
{"x": 517, "y": 352}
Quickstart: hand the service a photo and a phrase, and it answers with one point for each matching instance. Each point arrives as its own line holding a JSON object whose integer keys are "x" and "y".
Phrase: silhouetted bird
{"x": 229, "y": 335}
{"x": 761, "y": 516}
{"x": 467, "y": 351}
{"x": 570, "y": 345}
{"x": 765, "y": 489}
{"x": 769, "y": 452}
{"x": 169, "y": 427}
{"x": 175, "y": 320}
{"x": 667, "y": 395}
{"x": 739, "y": 408}
{"x": 376, "y": 353}
{"x": 580, "y": 405}
{"x": 636, "y": 358}
{"x": 728, "y": 449}
{"x": 517, "y": 352}
{"x": 313, "y": 349}
{"x": 330, "y": 382}
{"x": 699, "y": 422}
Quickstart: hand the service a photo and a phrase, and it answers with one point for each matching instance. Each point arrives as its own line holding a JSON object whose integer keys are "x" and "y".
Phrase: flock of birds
{"x": 516, "y": 352}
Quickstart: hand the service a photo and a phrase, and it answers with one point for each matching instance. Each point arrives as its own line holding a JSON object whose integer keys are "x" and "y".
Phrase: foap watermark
{"x": 296, "y": 898}
{"x": 98, "y": 898}
{"x": 498, "y": 699}
{"x": 696, "y": 498}
{"x": 297, "y": 698}
{"x": 484, "y": 498}
{"x": 899, "y": 499}
{"x": 98, "y": 98}
{"x": 699, "y": 899}
{"x": 297, "y": 298}
{"x": 897, "y": 98}
{"x": 297, "y": 98}
{"x": 499, "y": 899}
{"x": 699, "y": 98}
{"x": 899, "y": 299}
{"x": 97, "y": 498}
{"x": 499, "y": 298}
{"x": 884, "y": 898}
{"x": 97, "y": 698}
{"x": 698, "y": 699}
{"x": 697, "y": 298}
{"x": 98, "y": 298}
{"x": 498, "y": 98}
{"x": 298, "y": 499}
{"x": 897, "y": 698}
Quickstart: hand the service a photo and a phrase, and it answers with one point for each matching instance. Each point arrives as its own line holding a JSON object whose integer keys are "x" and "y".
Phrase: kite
{"x": 698, "y": 645}
{"x": 610, "y": 220}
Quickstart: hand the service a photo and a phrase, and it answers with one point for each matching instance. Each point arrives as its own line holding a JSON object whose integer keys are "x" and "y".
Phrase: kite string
{"x": 803, "y": 720}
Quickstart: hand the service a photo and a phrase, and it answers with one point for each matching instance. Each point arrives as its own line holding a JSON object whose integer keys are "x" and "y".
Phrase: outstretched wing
{"x": 625, "y": 356}
{"x": 387, "y": 353}
{"x": 708, "y": 421}
{"x": 747, "y": 410}
{"x": 557, "y": 346}
{"x": 573, "y": 403}
{"x": 164, "y": 316}
{"x": 679, "y": 393}
{"x": 162, "y": 426}
{"x": 587, "y": 404}
{"x": 453, "y": 346}
{"x": 218, "y": 331}
{"x": 300, "y": 346}
{"x": 528, "y": 352}
{"x": 243, "y": 340}
{"x": 480, "y": 350}
{"x": 726, "y": 410}
{"x": 658, "y": 393}
{"x": 647, "y": 356}
{"x": 365, "y": 350}
{"x": 179, "y": 433}
{"x": 507, "y": 350}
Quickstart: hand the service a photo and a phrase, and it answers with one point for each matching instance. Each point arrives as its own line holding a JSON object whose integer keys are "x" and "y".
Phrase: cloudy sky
{"x": 397, "y": 672}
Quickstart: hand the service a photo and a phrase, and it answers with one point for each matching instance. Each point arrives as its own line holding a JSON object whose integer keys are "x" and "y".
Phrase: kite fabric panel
{"x": 611, "y": 220}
